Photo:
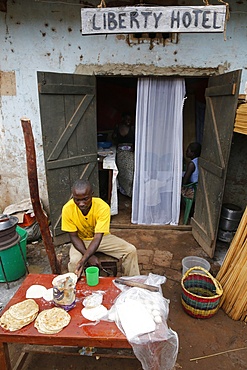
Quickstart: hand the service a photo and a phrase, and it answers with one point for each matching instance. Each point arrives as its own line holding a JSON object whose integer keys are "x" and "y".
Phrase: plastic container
{"x": 64, "y": 290}
{"x": 92, "y": 275}
{"x": 13, "y": 259}
{"x": 192, "y": 261}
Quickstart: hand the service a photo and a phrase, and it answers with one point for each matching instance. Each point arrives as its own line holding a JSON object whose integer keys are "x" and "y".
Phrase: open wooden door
{"x": 69, "y": 131}
{"x": 221, "y": 103}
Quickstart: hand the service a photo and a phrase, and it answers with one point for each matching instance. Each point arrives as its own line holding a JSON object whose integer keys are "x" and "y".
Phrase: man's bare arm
{"x": 88, "y": 254}
{"x": 77, "y": 242}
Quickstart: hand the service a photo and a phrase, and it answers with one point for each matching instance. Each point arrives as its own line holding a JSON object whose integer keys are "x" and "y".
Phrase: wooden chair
{"x": 110, "y": 264}
{"x": 189, "y": 199}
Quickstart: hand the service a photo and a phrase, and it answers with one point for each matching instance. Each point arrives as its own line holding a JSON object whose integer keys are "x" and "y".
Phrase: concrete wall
{"x": 236, "y": 179}
{"x": 42, "y": 36}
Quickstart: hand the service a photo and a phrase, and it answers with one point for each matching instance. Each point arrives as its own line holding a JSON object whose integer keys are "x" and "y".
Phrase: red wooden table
{"x": 104, "y": 336}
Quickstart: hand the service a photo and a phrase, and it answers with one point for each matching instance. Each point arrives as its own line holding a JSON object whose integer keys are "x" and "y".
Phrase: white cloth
{"x": 19, "y": 209}
{"x": 158, "y": 151}
{"x": 109, "y": 162}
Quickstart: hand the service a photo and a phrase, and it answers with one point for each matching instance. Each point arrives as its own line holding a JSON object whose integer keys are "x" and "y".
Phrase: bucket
{"x": 192, "y": 261}
{"x": 230, "y": 217}
{"x": 13, "y": 264}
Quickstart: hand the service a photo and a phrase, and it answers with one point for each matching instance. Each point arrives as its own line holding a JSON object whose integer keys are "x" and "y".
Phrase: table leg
{"x": 23, "y": 258}
{"x": 21, "y": 360}
{"x": 5, "y": 277}
{"x": 110, "y": 174}
{"x": 4, "y": 357}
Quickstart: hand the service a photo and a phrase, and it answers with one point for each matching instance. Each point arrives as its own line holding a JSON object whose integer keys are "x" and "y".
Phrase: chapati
{"x": 48, "y": 295}
{"x": 8, "y": 322}
{"x": 52, "y": 320}
{"x": 14, "y": 318}
{"x": 41, "y": 329}
{"x": 24, "y": 309}
{"x": 35, "y": 291}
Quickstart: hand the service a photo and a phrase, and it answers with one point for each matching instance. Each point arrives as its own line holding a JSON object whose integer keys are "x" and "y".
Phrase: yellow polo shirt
{"x": 96, "y": 221}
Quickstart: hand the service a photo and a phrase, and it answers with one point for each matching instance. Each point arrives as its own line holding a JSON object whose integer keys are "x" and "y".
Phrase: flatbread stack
{"x": 19, "y": 315}
{"x": 52, "y": 321}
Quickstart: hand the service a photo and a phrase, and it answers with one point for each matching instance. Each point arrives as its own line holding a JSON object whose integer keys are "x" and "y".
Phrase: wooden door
{"x": 69, "y": 131}
{"x": 221, "y": 103}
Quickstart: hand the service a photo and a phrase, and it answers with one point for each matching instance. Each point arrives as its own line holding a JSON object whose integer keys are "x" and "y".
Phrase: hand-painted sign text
{"x": 153, "y": 19}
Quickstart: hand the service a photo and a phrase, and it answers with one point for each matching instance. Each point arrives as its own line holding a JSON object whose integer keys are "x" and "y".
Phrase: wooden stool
{"x": 109, "y": 263}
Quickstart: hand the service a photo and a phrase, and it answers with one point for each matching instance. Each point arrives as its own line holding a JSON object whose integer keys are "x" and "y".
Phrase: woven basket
{"x": 201, "y": 293}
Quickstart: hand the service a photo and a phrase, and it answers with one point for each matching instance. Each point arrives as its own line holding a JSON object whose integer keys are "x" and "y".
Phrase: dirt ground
{"x": 219, "y": 338}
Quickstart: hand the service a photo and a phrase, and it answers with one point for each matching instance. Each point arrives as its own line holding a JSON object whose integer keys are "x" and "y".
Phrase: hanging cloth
{"x": 158, "y": 154}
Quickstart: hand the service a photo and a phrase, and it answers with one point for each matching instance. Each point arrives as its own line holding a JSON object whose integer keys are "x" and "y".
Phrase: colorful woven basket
{"x": 201, "y": 293}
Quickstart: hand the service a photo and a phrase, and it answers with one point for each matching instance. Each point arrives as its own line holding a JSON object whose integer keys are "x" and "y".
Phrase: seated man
{"x": 87, "y": 220}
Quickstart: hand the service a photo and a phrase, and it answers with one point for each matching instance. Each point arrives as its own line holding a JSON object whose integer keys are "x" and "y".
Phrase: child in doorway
{"x": 191, "y": 174}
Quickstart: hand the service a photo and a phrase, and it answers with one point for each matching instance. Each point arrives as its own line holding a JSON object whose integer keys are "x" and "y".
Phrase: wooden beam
{"x": 34, "y": 194}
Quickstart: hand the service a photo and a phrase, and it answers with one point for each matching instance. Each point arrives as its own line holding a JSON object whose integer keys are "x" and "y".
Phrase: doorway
{"x": 116, "y": 95}
{"x": 69, "y": 128}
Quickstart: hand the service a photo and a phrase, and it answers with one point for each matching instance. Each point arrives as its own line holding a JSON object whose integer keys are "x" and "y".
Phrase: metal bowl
{"x": 231, "y": 211}
{"x": 230, "y": 217}
{"x": 104, "y": 144}
{"x": 6, "y": 222}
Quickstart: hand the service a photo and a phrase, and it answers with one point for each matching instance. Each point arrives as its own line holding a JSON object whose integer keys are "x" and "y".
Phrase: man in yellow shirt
{"x": 87, "y": 220}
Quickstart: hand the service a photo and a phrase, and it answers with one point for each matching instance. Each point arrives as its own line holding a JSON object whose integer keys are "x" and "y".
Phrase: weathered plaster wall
{"x": 41, "y": 36}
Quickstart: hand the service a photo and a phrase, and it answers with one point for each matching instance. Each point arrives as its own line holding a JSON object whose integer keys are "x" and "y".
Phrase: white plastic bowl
{"x": 192, "y": 261}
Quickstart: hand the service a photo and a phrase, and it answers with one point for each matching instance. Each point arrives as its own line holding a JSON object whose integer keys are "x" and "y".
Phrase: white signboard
{"x": 142, "y": 19}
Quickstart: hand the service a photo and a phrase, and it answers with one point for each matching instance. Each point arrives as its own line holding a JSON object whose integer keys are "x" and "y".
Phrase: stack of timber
{"x": 233, "y": 275}
{"x": 240, "y": 125}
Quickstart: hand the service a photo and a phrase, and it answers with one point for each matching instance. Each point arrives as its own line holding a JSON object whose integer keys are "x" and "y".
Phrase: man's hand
{"x": 79, "y": 269}
{"x": 94, "y": 261}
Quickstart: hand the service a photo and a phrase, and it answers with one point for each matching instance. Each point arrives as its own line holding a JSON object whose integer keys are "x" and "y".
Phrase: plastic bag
{"x": 93, "y": 300}
{"x": 93, "y": 309}
{"x": 142, "y": 316}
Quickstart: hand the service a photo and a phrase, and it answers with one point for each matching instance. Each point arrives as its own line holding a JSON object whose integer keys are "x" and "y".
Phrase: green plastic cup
{"x": 92, "y": 275}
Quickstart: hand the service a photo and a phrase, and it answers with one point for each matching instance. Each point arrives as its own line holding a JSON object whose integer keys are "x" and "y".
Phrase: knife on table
{"x": 132, "y": 283}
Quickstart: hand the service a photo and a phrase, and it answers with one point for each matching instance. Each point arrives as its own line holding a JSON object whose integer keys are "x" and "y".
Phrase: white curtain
{"x": 158, "y": 151}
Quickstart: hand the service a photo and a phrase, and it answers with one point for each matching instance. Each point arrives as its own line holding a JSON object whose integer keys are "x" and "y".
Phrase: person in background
{"x": 87, "y": 220}
{"x": 124, "y": 132}
{"x": 124, "y": 138}
{"x": 191, "y": 174}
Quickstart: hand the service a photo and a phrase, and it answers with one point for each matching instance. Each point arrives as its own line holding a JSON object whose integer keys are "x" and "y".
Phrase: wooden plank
{"x": 201, "y": 235}
{"x": 66, "y": 89}
{"x": 223, "y": 90}
{"x": 79, "y": 351}
{"x": 144, "y": 19}
{"x": 21, "y": 361}
{"x": 211, "y": 167}
{"x": 71, "y": 125}
{"x": 72, "y": 161}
